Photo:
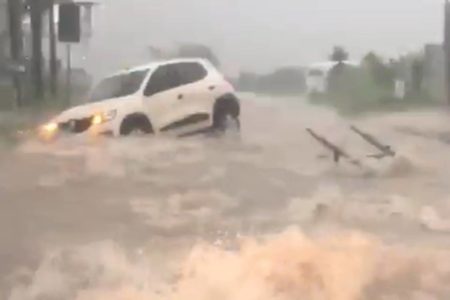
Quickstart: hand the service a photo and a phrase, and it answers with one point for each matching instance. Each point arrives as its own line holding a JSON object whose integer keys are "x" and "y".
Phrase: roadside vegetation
{"x": 371, "y": 87}
{"x": 286, "y": 81}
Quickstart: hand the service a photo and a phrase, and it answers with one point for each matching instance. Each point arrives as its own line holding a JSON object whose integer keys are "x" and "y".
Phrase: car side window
{"x": 190, "y": 72}
{"x": 164, "y": 78}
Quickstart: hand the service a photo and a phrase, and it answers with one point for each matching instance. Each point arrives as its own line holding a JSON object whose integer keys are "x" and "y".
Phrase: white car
{"x": 183, "y": 96}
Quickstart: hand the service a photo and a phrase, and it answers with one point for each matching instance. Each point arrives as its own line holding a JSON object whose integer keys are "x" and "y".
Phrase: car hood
{"x": 89, "y": 109}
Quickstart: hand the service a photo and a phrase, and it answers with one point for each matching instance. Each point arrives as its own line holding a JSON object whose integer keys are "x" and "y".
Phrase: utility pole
{"x": 15, "y": 11}
{"x": 447, "y": 50}
{"x": 68, "y": 74}
{"x": 36, "y": 9}
{"x": 52, "y": 48}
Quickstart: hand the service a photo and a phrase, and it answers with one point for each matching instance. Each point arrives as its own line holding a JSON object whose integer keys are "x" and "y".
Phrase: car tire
{"x": 226, "y": 115}
{"x": 227, "y": 122}
{"x": 138, "y": 124}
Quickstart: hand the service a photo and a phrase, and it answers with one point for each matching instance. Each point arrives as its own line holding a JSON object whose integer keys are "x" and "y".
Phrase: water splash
{"x": 156, "y": 198}
{"x": 289, "y": 265}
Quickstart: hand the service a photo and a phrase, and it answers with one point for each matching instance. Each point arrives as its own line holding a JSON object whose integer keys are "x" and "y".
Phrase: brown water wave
{"x": 145, "y": 218}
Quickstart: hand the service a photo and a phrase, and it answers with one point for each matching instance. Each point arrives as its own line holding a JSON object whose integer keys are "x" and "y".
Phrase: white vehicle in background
{"x": 317, "y": 75}
{"x": 182, "y": 96}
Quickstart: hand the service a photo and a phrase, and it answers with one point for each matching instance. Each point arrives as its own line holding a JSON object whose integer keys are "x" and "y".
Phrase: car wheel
{"x": 226, "y": 123}
{"x": 226, "y": 116}
{"x": 136, "y": 125}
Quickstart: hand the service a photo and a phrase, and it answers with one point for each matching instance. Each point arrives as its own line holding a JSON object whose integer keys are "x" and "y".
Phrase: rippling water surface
{"x": 261, "y": 217}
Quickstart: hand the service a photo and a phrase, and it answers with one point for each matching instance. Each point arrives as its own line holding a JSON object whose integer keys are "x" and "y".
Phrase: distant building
{"x": 317, "y": 75}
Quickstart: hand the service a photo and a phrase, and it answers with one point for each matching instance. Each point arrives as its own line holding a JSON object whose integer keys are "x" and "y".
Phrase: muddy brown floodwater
{"x": 261, "y": 217}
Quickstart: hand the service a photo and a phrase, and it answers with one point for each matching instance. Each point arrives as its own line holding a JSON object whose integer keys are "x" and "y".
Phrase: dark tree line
{"x": 287, "y": 80}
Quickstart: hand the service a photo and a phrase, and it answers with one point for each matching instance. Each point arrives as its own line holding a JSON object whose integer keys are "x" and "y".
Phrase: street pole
{"x": 36, "y": 65}
{"x": 52, "y": 49}
{"x": 69, "y": 74}
{"x": 16, "y": 44}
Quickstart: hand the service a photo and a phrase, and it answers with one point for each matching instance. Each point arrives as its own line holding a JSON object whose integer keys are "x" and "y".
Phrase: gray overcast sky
{"x": 261, "y": 34}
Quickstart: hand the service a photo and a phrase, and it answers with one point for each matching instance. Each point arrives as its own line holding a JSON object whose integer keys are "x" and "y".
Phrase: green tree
{"x": 339, "y": 54}
{"x": 371, "y": 59}
{"x": 382, "y": 74}
{"x": 417, "y": 75}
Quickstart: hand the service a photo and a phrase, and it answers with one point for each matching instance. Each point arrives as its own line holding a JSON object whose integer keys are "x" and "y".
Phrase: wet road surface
{"x": 264, "y": 216}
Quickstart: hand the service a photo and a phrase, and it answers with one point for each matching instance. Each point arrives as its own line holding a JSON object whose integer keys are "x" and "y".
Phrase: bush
{"x": 382, "y": 74}
{"x": 354, "y": 91}
{"x": 283, "y": 81}
{"x": 7, "y": 97}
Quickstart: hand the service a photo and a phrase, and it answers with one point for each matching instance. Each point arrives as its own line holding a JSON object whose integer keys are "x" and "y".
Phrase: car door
{"x": 194, "y": 100}
{"x": 162, "y": 95}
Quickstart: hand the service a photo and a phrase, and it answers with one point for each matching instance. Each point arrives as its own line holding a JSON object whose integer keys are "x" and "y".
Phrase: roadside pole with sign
{"x": 69, "y": 32}
{"x": 16, "y": 66}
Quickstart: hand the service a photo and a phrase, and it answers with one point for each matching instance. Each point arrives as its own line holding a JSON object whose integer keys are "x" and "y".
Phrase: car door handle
{"x": 180, "y": 96}
{"x": 211, "y": 87}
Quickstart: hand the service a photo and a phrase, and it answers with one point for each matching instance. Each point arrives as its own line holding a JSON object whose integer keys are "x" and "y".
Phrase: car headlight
{"x": 104, "y": 117}
{"x": 50, "y": 127}
{"x": 48, "y": 130}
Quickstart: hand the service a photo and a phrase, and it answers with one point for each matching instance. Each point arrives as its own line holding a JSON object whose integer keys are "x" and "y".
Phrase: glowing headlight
{"x": 104, "y": 117}
{"x": 50, "y": 127}
{"x": 97, "y": 119}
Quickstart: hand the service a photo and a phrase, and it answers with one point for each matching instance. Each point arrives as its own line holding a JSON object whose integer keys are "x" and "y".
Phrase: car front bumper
{"x": 79, "y": 127}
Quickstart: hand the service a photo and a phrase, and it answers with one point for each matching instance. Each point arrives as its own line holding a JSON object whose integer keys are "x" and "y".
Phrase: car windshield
{"x": 118, "y": 86}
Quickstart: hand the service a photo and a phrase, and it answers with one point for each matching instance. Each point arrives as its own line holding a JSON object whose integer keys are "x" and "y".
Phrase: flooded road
{"x": 261, "y": 217}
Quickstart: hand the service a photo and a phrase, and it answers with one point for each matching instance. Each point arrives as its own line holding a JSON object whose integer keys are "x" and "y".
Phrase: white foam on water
{"x": 192, "y": 211}
{"x": 331, "y": 203}
{"x": 433, "y": 220}
{"x": 288, "y": 265}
